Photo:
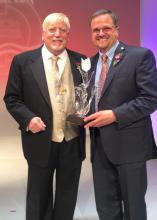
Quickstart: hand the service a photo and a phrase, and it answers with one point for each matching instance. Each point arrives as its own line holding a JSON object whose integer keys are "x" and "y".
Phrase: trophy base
{"x": 75, "y": 119}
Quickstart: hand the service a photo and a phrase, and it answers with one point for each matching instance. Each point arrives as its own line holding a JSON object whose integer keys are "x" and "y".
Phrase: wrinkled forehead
{"x": 55, "y": 23}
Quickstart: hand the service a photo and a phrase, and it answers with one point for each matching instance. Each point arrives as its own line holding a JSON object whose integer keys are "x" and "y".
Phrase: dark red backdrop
{"x": 20, "y": 24}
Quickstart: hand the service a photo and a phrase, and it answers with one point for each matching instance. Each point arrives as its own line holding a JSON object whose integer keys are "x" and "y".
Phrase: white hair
{"x": 54, "y": 17}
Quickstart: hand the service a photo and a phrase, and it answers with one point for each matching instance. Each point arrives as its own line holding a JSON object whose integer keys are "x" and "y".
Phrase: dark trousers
{"x": 41, "y": 205}
{"x": 119, "y": 189}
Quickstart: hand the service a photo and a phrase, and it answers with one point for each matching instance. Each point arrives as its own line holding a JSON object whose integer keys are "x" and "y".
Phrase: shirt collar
{"x": 111, "y": 51}
{"x": 48, "y": 54}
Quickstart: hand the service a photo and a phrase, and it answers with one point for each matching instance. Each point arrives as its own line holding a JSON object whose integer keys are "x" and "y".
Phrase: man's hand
{"x": 100, "y": 119}
{"x": 36, "y": 125}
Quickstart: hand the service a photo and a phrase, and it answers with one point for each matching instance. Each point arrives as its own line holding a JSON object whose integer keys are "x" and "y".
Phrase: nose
{"x": 57, "y": 32}
{"x": 101, "y": 33}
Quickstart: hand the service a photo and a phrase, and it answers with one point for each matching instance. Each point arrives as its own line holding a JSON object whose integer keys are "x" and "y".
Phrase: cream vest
{"x": 62, "y": 97}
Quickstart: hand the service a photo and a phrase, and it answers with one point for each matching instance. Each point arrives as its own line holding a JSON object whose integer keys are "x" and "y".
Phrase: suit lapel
{"x": 75, "y": 72}
{"x": 94, "y": 61}
{"x": 114, "y": 68}
{"x": 38, "y": 71}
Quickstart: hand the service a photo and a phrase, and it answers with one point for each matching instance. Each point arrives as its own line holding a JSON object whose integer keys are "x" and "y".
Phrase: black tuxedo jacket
{"x": 130, "y": 90}
{"x": 27, "y": 96}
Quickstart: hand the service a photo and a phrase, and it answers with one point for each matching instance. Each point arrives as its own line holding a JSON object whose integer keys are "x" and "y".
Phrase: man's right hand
{"x": 36, "y": 125}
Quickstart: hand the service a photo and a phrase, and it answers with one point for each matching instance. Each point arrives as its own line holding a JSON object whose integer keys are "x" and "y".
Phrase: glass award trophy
{"x": 82, "y": 99}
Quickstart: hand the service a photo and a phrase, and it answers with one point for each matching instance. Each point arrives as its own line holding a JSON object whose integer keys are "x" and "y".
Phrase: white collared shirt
{"x": 47, "y": 60}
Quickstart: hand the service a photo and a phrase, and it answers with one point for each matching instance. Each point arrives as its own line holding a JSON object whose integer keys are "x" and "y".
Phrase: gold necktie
{"x": 55, "y": 69}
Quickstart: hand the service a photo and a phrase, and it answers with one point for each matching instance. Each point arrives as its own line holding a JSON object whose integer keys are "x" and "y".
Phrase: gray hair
{"x": 54, "y": 17}
{"x": 103, "y": 12}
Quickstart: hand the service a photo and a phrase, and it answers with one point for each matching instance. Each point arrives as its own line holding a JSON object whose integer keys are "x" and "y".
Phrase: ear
{"x": 117, "y": 31}
{"x": 43, "y": 35}
{"x": 68, "y": 36}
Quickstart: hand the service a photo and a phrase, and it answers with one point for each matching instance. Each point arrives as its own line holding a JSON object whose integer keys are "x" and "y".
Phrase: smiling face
{"x": 55, "y": 36}
{"x": 104, "y": 32}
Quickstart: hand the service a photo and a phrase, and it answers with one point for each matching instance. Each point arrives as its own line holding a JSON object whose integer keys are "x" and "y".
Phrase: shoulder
{"x": 23, "y": 59}
{"x": 138, "y": 54}
{"x": 94, "y": 57}
{"x": 138, "y": 51}
{"x": 75, "y": 55}
{"x": 28, "y": 54}
{"x": 138, "y": 57}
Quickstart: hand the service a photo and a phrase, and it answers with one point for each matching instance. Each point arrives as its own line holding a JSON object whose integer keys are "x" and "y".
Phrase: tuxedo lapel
{"x": 94, "y": 61}
{"x": 38, "y": 71}
{"x": 75, "y": 72}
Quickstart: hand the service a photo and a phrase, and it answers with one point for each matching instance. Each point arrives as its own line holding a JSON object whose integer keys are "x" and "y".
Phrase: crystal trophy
{"x": 82, "y": 99}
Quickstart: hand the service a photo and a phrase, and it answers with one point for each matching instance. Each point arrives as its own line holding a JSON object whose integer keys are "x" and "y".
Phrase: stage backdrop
{"x": 20, "y": 30}
{"x": 149, "y": 36}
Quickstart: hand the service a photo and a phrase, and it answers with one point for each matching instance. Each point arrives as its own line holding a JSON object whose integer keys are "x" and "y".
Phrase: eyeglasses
{"x": 55, "y": 30}
{"x": 104, "y": 29}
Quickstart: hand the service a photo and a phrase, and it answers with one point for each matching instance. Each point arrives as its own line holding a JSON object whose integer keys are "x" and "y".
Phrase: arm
{"x": 141, "y": 106}
{"x": 146, "y": 100}
{"x": 14, "y": 97}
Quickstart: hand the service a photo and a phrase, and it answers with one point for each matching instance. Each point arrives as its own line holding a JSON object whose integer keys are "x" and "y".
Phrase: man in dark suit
{"x": 40, "y": 95}
{"x": 121, "y": 129}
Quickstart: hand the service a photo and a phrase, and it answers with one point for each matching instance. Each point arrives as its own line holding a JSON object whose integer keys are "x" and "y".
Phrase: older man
{"x": 40, "y": 95}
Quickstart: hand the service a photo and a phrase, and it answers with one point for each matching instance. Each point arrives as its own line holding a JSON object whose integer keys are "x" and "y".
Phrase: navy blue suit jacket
{"x": 130, "y": 90}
